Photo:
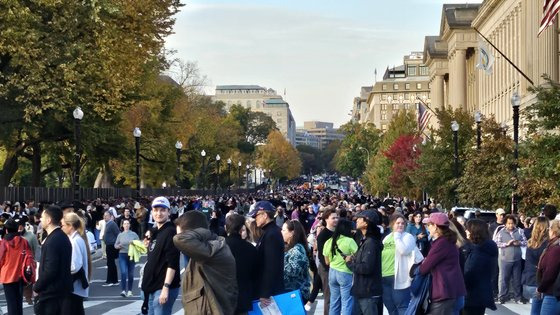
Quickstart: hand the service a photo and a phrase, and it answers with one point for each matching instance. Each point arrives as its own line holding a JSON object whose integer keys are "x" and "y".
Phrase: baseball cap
{"x": 160, "y": 202}
{"x": 500, "y": 211}
{"x": 369, "y": 215}
{"x": 262, "y": 205}
{"x": 137, "y": 205}
{"x": 437, "y": 218}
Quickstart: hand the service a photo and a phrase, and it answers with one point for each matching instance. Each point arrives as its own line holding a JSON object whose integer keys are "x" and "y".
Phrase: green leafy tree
{"x": 539, "y": 172}
{"x": 360, "y": 143}
{"x": 279, "y": 156}
{"x": 435, "y": 173}
{"x": 256, "y": 127}
{"x": 486, "y": 180}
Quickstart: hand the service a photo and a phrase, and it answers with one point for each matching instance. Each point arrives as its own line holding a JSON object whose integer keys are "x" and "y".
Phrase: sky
{"x": 319, "y": 51}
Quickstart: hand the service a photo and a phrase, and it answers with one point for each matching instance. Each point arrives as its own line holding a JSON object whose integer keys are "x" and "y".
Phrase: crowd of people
{"x": 361, "y": 252}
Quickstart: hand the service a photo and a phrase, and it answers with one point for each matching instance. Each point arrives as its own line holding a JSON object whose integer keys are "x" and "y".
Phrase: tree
{"x": 57, "y": 55}
{"x": 256, "y": 126}
{"x": 379, "y": 169}
{"x": 435, "y": 172}
{"x": 279, "y": 156}
{"x": 539, "y": 174}
{"x": 487, "y": 177}
{"x": 352, "y": 155}
{"x": 311, "y": 159}
{"x": 403, "y": 154}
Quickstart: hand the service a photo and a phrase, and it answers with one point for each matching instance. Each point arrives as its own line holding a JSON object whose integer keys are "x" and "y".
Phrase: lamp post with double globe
{"x": 137, "y": 133}
{"x": 78, "y": 115}
{"x": 515, "y": 103}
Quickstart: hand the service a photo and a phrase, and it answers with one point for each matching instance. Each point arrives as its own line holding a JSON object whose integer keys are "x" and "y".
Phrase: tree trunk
{"x": 36, "y": 165}
{"x": 9, "y": 169}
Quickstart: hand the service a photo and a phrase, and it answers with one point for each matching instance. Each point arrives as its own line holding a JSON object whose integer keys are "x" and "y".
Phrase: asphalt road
{"x": 107, "y": 300}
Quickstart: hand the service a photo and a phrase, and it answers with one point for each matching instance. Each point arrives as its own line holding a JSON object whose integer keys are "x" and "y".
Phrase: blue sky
{"x": 320, "y": 51}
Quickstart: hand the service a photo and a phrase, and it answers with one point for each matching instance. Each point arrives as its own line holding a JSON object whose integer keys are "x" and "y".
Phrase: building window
{"x": 407, "y": 106}
{"x": 383, "y": 115}
{"x": 407, "y": 86}
{"x": 383, "y": 127}
{"x": 395, "y": 86}
{"x": 423, "y": 70}
{"x": 411, "y": 70}
{"x": 395, "y": 111}
{"x": 383, "y": 106}
{"x": 418, "y": 86}
{"x": 395, "y": 106}
{"x": 249, "y": 104}
{"x": 384, "y": 87}
{"x": 384, "y": 97}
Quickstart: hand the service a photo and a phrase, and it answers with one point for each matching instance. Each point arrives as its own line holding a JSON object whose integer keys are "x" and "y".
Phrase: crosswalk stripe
{"x": 130, "y": 308}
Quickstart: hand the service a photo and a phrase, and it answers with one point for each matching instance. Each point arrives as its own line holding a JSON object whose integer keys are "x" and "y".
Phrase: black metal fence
{"x": 59, "y": 194}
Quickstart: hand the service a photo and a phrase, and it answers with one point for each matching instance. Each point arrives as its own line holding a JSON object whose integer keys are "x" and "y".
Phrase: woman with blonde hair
{"x": 548, "y": 270}
{"x": 535, "y": 247}
{"x": 80, "y": 267}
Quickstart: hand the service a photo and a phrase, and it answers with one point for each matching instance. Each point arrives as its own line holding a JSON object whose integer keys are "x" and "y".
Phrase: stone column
{"x": 437, "y": 92}
{"x": 460, "y": 80}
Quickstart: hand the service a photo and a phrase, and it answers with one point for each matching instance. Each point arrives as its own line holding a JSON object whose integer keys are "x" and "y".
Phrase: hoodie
{"x": 210, "y": 282}
{"x": 479, "y": 268}
{"x": 10, "y": 258}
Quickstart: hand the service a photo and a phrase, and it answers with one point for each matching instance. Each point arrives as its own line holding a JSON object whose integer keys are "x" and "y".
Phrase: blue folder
{"x": 289, "y": 304}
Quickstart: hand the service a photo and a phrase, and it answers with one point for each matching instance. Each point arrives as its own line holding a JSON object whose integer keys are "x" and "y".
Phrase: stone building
{"x": 324, "y": 131}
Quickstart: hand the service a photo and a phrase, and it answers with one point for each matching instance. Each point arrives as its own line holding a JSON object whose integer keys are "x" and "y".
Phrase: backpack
{"x": 27, "y": 262}
{"x": 28, "y": 266}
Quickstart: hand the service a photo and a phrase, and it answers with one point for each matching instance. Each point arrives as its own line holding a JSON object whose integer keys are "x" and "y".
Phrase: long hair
{"x": 458, "y": 229}
{"x": 344, "y": 228}
{"x": 446, "y": 232}
{"x": 298, "y": 237}
{"x": 78, "y": 224}
{"x": 539, "y": 235}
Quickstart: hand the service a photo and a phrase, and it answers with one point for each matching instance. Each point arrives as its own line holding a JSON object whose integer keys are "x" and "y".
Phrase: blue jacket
{"x": 478, "y": 275}
{"x": 420, "y": 293}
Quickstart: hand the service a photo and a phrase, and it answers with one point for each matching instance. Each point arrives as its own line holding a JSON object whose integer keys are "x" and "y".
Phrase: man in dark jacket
{"x": 55, "y": 280}
{"x": 366, "y": 265}
{"x": 270, "y": 253}
{"x": 161, "y": 273}
{"x": 209, "y": 284}
{"x": 245, "y": 255}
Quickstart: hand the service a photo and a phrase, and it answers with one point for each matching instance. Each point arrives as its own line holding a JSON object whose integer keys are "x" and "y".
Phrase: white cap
{"x": 160, "y": 202}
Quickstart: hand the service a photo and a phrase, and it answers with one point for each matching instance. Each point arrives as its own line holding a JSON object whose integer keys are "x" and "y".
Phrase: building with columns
{"x": 512, "y": 26}
{"x": 260, "y": 99}
{"x": 399, "y": 90}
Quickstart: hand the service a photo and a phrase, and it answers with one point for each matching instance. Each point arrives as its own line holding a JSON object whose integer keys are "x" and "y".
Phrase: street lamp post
{"x": 137, "y": 133}
{"x": 255, "y": 178}
{"x": 239, "y": 175}
{"x": 202, "y": 172}
{"x": 367, "y": 151}
{"x": 178, "y": 147}
{"x": 515, "y": 103}
{"x": 247, "y": 176}
{"x": 478, "y": 120}
{"x": 78, "y": 115}
{"x": 504, "y": 127}
{"x": 217, "y": 171}
{"x": 455, "y": 129}
{"x": 229, "y": 173}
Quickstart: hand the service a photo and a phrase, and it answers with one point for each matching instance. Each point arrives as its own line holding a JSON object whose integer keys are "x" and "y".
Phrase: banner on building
{"x": 485, "y": 57}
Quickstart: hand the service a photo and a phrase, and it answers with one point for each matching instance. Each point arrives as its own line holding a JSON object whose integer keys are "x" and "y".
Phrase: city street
{"x": 106, "y": 300}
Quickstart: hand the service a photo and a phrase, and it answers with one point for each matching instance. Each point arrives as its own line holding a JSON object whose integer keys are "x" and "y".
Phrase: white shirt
{"x": 79, "y": 260}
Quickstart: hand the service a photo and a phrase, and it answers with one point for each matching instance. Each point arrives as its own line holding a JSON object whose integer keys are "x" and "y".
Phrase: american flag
{"x": 424, "y": 116}
{"x": 550, "y": 9}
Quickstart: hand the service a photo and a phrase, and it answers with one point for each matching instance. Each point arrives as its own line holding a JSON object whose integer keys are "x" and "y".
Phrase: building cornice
{"x": 487, "y": 7}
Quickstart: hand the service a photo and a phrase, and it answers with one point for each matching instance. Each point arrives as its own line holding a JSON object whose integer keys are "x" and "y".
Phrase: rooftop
{"x": 240, "y": 87}
{"x": 460, "y": 15}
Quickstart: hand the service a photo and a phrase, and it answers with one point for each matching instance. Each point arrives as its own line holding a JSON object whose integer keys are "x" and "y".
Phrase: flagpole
{"x": 426, "y": 105}
{"x": 505, "y": 57}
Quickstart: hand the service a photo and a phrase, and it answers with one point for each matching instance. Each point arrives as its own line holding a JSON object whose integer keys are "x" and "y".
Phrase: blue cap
{"x": 262, "y": 205}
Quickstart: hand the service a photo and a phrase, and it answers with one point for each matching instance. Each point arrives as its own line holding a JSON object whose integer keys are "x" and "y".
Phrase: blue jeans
{"x": 396, "y": 301}
{"x": 127, "y": 271}
{"x": 155, "y": 308}
{"x": 530, "y": 293}
{"x": 341, "y": 301}
{"x": 459, "y": 304}
{"x": 550, "y": 305}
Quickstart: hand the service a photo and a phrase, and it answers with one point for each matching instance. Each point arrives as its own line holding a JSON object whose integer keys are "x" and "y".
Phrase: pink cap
{"x": 437, "y": 218}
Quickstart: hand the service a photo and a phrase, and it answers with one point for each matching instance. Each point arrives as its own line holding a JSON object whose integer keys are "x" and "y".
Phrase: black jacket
{"x": 270, "y": 259}
{"x": 479, "y": 270}
{"x": 55, "y": 280}
{"x": 162, "y": 254}
{"x": 246, "y": 263}
{"x": 366, "y": 269}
